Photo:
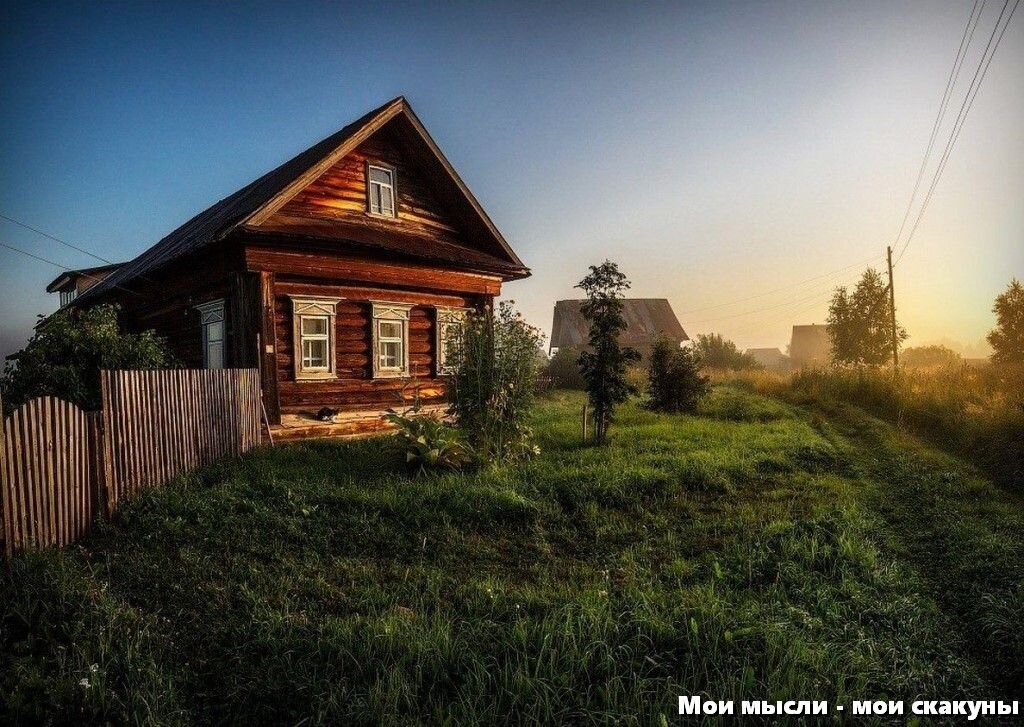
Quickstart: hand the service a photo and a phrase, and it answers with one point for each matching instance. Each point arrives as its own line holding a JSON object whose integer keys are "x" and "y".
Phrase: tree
{"x": 675, "y": 383}
{"x": 564, "y": 371}
{"x": 715, "y": 352}
{"x": 66, "y": 353}
{"x": 1007, "y": 338}
{"x": 918, "y": 357}
{"x": 860, "y": 323}
{"x": 492, "y": 384}
{"x": 604, "y": 365}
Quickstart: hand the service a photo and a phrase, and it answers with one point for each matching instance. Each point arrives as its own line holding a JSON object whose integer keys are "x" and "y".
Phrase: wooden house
{"x": 809, "y": 347}
{"x": 338, "y": 274}
{"x": 646, "y": 319}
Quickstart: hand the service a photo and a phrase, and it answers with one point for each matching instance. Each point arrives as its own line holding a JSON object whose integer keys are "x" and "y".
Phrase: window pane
{"x": 387, "y": 204}
{"x": 390, "y": 329}
{"x": 382, "y": 176}
{"x": 314, "y": 353}
{"x": 315, "y": 326}
{"x": 215, "y": 331}
{"x": 390, "y": 354}
{"x": 215, "y": 355}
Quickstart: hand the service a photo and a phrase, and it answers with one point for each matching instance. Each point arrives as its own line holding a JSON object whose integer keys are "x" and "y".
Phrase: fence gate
{"x": 46, "y": 474}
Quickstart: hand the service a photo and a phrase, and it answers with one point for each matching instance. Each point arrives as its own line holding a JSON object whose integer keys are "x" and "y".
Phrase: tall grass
{"x": 975, "y": 412}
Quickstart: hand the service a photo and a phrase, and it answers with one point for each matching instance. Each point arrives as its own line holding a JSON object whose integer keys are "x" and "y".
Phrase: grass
{"x": 973, "y": 412}
{"x": 759, "y": 550}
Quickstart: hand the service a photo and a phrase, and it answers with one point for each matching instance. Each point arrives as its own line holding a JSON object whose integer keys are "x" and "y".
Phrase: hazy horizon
{"x": 717, "y": 152}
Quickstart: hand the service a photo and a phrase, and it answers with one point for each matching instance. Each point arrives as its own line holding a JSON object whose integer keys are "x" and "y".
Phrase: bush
{"x": 492, "y": 385}
{"x": 674, "y": 380}
{"x": 563, "y": 370}
{"x": 919, "y": 357}
{"x": 712, "y": 351}
{"x": 65, "y": 355}
{"x": 429, "y": 442}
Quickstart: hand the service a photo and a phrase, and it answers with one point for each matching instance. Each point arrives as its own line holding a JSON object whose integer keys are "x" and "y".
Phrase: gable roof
{"x": 810, "y": 343}
{"x": 646, "y": 318}
{"x": 254, "y": 203}
{"x": 69, "y": 276}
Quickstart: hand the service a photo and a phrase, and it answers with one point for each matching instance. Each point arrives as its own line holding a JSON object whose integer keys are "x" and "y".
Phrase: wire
{"x": 947, "y": 94}
{"x": 63, "y": 267}
{"x": 965, "y": 109}
{"x": 55, "y": 239}
{"x": 784, "y": 287}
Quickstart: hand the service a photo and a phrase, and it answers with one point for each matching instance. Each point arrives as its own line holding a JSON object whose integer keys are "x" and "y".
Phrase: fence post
{"x": 584, "y": 423}
{"x": 6, "y": 512}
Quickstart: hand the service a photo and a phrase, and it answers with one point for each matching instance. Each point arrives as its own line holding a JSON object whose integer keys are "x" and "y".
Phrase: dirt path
{"x": 962, "y": 534}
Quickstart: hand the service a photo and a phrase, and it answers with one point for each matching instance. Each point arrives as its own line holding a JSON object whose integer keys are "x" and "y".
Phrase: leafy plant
{"x": 69, "y": 348}
{"x": 713, "y": 351}
{"x": 675, "y": 383}
{"x": 604, "y": 366}
{"x": 492, "y": 384}
{"x": 429, "y": 442}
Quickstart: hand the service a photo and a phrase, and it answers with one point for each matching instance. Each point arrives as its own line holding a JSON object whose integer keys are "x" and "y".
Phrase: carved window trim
{"x": 314, "y": 307}
{"x": 446, "y": 316}
{"x": 385, "y": 312}
{"x": 211, "y": 319}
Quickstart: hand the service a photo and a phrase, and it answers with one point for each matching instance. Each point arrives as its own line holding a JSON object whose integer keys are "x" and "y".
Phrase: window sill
{"x": 306, "y": 378}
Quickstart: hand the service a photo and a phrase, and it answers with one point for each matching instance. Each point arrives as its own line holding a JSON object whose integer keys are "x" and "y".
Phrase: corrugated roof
{"x": 646, "y": 318}
{"x": 214, "y": 223}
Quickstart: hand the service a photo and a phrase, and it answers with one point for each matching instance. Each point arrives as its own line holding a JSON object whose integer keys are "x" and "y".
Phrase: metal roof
{"x": 646, "y": 318}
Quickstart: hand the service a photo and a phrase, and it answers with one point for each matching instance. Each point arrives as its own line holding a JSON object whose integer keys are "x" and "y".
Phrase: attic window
{"x": 380, "y": 184}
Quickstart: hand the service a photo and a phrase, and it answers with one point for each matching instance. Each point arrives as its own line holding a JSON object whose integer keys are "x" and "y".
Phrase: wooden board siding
{"x": 355, "y": 388}
{"x": 341, "y": 194}
{"x": 319, "y": 264}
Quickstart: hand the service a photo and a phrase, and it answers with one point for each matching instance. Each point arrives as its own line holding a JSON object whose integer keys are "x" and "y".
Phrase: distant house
{"x": 646, "y": 319}
{"x": 338, "y": 274}
{"x": 73, "y": 283}
{"x": 809, "y": 347}
{"x": 770, "y": 358}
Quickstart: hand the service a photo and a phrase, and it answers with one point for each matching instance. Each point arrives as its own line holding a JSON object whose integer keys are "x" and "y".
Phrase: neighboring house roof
{"x": 646, "y": 318}
{"x": 70, "y": 276}
{"x": 810, "y": 344}
{"x": 257, "y": 201}
{"x": 768, "y": 356}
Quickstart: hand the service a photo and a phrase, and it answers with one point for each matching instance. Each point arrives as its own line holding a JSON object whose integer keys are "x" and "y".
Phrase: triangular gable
{"x": 250, "y": 206}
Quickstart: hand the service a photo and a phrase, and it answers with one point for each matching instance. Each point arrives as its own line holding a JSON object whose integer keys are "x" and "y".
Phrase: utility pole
{"x": 892, "y": 312}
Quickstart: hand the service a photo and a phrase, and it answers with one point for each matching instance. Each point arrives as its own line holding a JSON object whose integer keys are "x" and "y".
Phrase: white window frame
{"x": 210, "y": 314}
{"x": 446, "y": 316}
{"x": 371, "y": 185}
{"x": 311, "y": 307}
{"x": 384, "y": 312}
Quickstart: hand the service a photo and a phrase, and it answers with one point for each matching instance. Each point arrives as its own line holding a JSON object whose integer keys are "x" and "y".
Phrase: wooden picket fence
{"x": 60, "y": 466}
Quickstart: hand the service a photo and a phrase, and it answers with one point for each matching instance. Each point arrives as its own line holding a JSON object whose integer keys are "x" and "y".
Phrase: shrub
{"x": 65, "y": 355}
{"x": 919, "y": 357}
{"x": 563, "y": 370}
{"x": 675, "y": 383}
{"x": 429, "y": 442}
{"x": 713, "y": 351}
{"x": 492, "y": 385}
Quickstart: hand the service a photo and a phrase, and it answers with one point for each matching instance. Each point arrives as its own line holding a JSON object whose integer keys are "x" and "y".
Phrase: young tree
{"x": 674, "y": 383}
{"x": 860, "y": 323}
{"x": 65, "y": 355}
{"x": 713, "y": 351}
{"x": 604, "y": 365}
{"x": 1007, "y": 338}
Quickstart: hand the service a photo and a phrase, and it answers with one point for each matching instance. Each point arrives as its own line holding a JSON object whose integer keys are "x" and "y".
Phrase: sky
{"x": 738, "y": 159}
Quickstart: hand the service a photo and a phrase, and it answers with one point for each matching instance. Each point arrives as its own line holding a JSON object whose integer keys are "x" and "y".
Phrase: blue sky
{"x": 716, "y": 151}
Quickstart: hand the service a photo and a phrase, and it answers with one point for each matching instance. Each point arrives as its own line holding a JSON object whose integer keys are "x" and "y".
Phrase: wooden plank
{"x": 6, "y": 487}
{"x": 107, "y": 434}
{"x": 268, "y": 348}
{"x": 21, "y": 487}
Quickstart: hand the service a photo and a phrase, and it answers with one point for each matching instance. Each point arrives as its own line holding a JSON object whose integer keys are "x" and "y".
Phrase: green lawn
{"x": 758, "y": 551}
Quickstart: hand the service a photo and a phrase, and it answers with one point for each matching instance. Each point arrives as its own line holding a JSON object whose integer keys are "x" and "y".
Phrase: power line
{"x": 965, "y": 109}
{"x": 55, "y": 239}
{"x": 782, "y": 288}
{"x": 63, "y": 267}
{"x": 947, "y": 94}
